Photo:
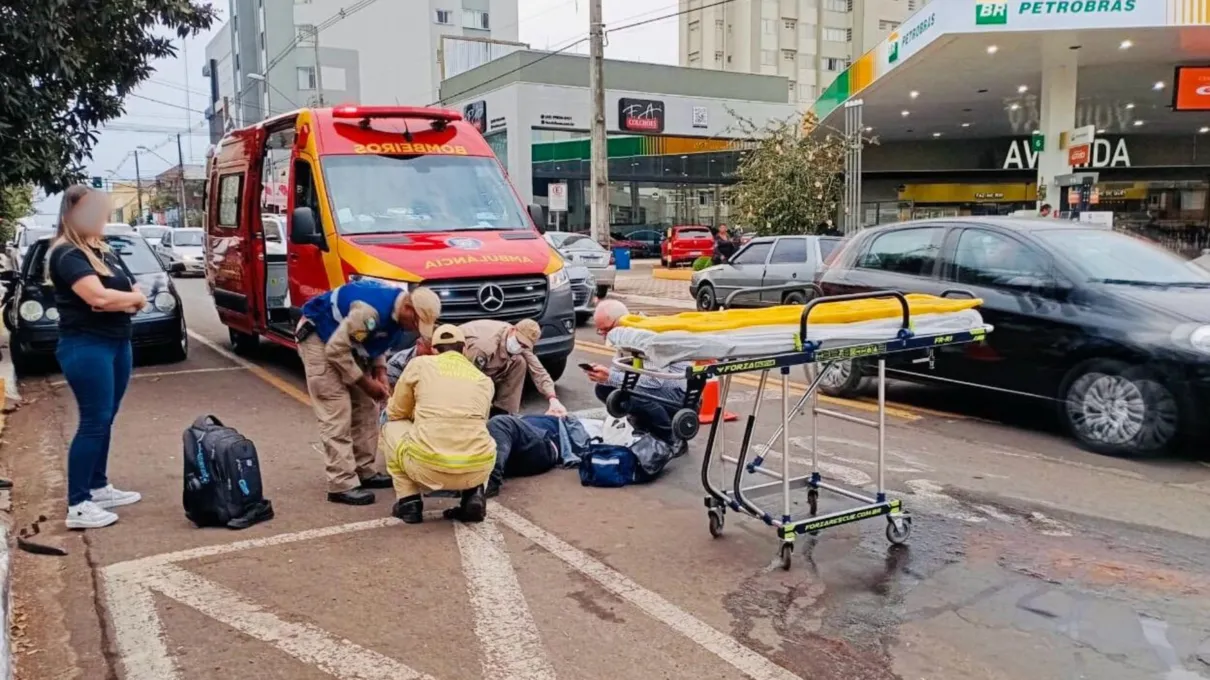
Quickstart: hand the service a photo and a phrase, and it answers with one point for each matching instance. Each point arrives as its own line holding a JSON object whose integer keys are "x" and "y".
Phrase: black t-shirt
{"x": 67, "y": 265}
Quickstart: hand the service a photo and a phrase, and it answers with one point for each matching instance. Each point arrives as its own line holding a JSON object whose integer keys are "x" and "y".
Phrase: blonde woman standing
{"x": 96, "y": 300}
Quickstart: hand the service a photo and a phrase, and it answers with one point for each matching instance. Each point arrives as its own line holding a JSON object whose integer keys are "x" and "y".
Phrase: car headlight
{"x": 1199, "y": 339}
{"x": 164, "y": 302}
{"x": 401, "y": 285}
{"x": 558, "y": 279}
{"x": 52, "y": 313}
{"x": 31, "y": 310}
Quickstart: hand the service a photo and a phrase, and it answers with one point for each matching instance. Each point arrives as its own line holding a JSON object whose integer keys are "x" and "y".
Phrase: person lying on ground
{"x": 505, "y": 353}
{"x": 436, "y": 437}
{"x": 532, "y": 445}
{"x": 646, "y": 415}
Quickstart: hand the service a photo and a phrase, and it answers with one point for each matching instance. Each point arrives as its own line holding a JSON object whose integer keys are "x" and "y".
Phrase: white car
{"x": 582, "y": 250}
{"x": 275, "y": 234}
{"x": 152, "y": 233}
{"x": 118, "y": 229}
{"x": 26, "y": 236}
{"x": 184, "y": 247}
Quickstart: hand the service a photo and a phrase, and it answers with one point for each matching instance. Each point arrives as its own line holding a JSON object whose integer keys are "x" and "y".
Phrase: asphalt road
{"x": 1029, "y": 558}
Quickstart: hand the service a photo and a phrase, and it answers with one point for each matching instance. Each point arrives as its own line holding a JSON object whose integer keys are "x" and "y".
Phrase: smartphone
{"x": 587, "y": 368}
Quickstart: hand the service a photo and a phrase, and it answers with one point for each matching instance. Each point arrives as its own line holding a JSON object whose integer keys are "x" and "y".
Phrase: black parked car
{"x": 1114, "y": 330}
{"x": 32, "y": 320}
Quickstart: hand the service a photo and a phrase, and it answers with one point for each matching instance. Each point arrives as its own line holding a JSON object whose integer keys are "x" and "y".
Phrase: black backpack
{"x": 222, "y": 477}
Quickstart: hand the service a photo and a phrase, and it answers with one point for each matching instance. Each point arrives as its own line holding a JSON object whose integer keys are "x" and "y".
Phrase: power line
{"x": 509, "y": 72}
{"x": 340, "y": 16}
{"x": 164, "y": 103}
{"x": 669, "y": 16}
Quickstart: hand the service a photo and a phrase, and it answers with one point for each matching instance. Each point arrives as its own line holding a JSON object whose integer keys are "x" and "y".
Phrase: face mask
{"x": 513, "y": 345}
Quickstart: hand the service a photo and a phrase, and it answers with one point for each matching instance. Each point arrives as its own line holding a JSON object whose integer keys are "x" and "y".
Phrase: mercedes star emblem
{"x": 491, "y": 297}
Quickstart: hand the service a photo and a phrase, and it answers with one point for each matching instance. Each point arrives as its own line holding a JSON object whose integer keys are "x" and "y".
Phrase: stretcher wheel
{"x": 896, "y": 536}
{"x": 685, "y": 424}
{"x": 617, "y": 404}
{"x": 785, "y": 554}
{"x": 813, "y": 501}
{"x": 716, "y": 522}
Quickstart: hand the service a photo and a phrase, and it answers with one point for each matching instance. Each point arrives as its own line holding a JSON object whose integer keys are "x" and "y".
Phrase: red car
{"x": 686, "y": 244}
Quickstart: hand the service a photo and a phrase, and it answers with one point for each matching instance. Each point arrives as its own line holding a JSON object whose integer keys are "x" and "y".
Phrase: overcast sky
{"x": 179, "y": 85}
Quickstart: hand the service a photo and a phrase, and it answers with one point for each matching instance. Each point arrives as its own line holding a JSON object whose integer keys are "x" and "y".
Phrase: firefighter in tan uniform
{"x": 342, "y": 339}
{"x": 436, "y": 437}
{"x": 505, "y": 353}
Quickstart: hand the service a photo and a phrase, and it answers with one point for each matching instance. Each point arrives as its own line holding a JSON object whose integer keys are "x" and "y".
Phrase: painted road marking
{"x": 335, "y": 656}
{"x": 137, "y": 629}
{"x": 164, "y": 374}
{"x": 512, "y": 647}
{"x": 256, "y": 370}
{"x": 893, "y": 409}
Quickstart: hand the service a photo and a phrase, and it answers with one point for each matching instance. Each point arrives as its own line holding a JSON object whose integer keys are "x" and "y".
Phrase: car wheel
{"x": 602, "y": 292}
{"x": 10, "y": 316}
{"x": 554, "y": 366}
{"x": 707, "y": 301}
{"x": 179, "y": 350}
{"x": 23, "y": 363}
{"x": 844, "y": 379}
{"x": 243, "y": 343}
{"x": 582, "y": 318}
{"x": 1115, "y": 408}
{"x": 665, "y": 262}
{"x": 794, "y": 298}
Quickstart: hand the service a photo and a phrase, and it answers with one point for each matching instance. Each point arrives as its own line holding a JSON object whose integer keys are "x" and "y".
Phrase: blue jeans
{"x": 646, "y": 415}
{"x": 98, "y": 370}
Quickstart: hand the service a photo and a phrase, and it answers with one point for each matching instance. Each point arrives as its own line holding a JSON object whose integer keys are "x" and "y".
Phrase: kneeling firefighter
{"x": 343, "y": 338}
{"x": 436, "y": 436}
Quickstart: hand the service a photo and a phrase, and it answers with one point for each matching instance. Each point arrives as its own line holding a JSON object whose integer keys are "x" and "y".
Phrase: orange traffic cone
{"x": 705, "y": 414}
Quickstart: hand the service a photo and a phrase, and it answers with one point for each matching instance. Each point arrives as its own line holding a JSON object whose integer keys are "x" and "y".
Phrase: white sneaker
{"x": 89, "y": 515}
{"x": 109, "y": 497}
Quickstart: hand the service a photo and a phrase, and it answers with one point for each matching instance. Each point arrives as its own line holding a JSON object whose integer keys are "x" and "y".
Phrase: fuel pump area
{"x": 1098, "y": 108}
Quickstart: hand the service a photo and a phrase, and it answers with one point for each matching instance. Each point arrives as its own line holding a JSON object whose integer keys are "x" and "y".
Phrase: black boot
{"x": 410, "y": 509}
{"x": 493, "y": 487}
{"x": 378, "y": 480}
{"x": 358, "y": 496}
{"x": 473, "y": 507}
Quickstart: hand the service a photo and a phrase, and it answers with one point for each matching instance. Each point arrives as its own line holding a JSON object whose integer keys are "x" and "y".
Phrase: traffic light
{"x": 98, "y": 183}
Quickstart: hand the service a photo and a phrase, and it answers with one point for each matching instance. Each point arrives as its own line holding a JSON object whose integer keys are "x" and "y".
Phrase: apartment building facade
{"x": 809, "y": 42}
{"x": 277, "y": 55}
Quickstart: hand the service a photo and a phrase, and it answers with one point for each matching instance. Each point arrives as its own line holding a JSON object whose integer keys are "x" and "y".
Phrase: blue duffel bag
{"x": 608, "y": 465}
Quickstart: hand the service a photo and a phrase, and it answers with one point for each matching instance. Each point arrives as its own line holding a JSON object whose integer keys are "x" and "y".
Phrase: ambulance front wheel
{"x": 243, "y": 343}
{"x": 685, "y": 424}
{"x": 617, "y": 404}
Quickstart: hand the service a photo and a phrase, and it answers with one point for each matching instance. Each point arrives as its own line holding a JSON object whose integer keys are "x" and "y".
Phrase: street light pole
{"x": 184, "y": 211}
{"x": 138, "y": 187}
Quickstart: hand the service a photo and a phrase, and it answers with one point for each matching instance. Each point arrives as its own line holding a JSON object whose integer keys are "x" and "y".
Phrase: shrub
{"x": 701, "y": 263}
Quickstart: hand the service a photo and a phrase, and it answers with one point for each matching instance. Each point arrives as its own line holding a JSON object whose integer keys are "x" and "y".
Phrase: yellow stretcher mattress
{"x": 848, "y": 311}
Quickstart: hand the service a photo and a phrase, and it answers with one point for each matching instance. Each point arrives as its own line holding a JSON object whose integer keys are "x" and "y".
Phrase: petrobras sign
{"x": 911, "y": 37}
{"x": 1068, "y": 14}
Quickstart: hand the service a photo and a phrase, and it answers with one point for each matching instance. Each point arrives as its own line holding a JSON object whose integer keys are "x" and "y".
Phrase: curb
{"x": 8, "y": 384}
{"x": 672, "y": 274}
{"x": 656, "y": 301}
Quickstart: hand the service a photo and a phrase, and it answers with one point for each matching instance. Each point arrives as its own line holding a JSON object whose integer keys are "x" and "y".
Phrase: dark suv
{"x": 1111, "y": 329}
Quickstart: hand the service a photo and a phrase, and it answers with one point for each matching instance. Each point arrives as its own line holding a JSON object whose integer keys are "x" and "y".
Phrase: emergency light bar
{"x": 366, "y": 112}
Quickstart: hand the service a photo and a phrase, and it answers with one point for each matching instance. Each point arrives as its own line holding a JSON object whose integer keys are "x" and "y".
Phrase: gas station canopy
{"x": 962, "y": 69}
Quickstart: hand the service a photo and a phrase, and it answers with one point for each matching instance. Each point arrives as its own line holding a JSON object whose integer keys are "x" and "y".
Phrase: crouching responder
{"x": 436, "y": 437}
{"x": 505, "y": 353}
{"x": 343, "y": 338}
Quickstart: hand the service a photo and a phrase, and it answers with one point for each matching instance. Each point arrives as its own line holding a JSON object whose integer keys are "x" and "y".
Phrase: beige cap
{"x": 528, "y": 332}
{"x": 428, "y": 308}
{"x": 448, "y": 334}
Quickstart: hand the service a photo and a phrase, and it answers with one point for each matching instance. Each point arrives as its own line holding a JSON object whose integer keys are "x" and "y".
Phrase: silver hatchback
{"x": 764, "y": 261}
{"x": 580, "y": 249}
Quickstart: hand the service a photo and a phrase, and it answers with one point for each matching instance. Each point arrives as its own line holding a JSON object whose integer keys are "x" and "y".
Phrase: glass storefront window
{"x": 498, "y": 141}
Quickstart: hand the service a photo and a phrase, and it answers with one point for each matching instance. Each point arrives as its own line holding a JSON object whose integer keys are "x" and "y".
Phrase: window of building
{"x": 905, "y": 251}
{"x": 476, "y": 19}
{"x": 884, "y": 25}
{"x": 793, "y": 89}
{"x": 837, "y": 5}
{"x": 911, "y": 5}
{"x": 806, "y": 92}
{"x": 768, "y": 57}
{"x": 789, "y": 24}
{"x": 835, "y": 34}
{"x": 444, "y": 17}
{"x": 695, "y": 57}
{"x": 848, "y": 35}
{"x": 695, "y": 26}
{"x": 306, "y": 77}
{"x": 789, "y": 55}
{"x": 718, "y": 23}
{"x": 833, "y": 64}
{"x": 768, "y": 26}
{"x": 789, "y": 251}
{"x": 718, "y": 56}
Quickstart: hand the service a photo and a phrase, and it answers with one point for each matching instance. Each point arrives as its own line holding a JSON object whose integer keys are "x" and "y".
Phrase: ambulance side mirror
{"x": 539, "y": 217}
{"x": 303, "y": 230}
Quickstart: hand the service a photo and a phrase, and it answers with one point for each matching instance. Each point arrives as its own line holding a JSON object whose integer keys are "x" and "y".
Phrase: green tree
{"x": 15, "y": 202}
{"x": 792, "y": 179}
{"x": 67, "y": 67}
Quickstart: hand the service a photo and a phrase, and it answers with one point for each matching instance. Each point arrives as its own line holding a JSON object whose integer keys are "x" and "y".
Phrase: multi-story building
{"x": 809, "y": 42}
{"x": 277, "y": 55}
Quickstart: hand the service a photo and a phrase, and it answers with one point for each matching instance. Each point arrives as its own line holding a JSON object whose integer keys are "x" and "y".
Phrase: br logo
{"x": 991, "y": 13}
{"x": 893, "y": 48}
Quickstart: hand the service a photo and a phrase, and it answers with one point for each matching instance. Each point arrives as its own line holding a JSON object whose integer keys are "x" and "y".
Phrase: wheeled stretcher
{"x": 862, "y": 329}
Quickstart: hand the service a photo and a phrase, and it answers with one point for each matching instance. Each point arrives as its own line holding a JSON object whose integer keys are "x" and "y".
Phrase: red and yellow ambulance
{"x": 410, "y": 196}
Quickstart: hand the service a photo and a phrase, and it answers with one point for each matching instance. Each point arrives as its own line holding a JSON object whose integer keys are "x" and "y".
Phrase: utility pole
{"x": 599, "y": 174}
{"x": 319, "y": 81}
{"x": 184, "y": 212}
{"x": 138, "y": 187}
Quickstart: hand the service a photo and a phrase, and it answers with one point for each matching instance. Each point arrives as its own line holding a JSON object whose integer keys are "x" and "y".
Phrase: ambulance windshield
{"x": 374, "y": 194}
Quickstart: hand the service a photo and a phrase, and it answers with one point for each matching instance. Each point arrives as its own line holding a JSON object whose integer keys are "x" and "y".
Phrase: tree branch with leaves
{"x": 792, "y": 178}
{"x": 68, "y": 65}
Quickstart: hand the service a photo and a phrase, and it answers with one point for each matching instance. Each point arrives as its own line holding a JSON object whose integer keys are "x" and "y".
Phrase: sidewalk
{"x": 642, "y": 283}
